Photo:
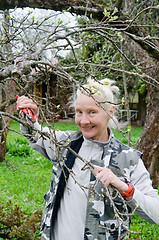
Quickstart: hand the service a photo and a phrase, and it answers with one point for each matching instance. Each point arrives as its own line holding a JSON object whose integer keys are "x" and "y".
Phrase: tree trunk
{"x": 142, "y": 109}
{"x": 149, "y": 141}
{"x": 2, "y": 141}
{"x": 6, "y": 92}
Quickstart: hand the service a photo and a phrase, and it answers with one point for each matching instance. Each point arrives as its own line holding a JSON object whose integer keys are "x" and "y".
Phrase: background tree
{"x": 104, "y": 25}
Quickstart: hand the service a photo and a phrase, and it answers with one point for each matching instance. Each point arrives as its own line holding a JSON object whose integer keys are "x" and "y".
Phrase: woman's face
{"x": 91, "y": 119}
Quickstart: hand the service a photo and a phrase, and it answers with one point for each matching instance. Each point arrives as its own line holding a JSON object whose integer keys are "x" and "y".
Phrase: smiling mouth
{"x": 88, "y": 127}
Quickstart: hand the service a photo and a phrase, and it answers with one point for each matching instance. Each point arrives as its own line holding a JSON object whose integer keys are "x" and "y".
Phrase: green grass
{"x": 135, "y": 135}
{"x": 30, "y": 182}
{"x": 147, "y": 231}
{"x": 27, "y": 185}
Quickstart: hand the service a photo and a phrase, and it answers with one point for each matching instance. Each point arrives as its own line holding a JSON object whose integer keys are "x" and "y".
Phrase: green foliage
{"x": 19, "y": 147}
{"x": 16, "y": 224}
{"x": 60, "y": 21}
{"x": 108, "y": 14}
{"x": 142, "y": 88}
{"x": 145, "y": 230}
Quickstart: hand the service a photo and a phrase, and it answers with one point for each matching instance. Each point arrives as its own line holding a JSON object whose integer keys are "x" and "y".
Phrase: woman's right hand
{"x": 25, "y": 102}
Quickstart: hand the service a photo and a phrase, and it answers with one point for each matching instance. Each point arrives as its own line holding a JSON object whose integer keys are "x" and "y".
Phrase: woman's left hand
{"x": 108, "y": 177}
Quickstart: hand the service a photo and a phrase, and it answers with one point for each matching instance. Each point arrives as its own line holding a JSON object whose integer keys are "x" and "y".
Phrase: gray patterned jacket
{"x": 101, "y": 221}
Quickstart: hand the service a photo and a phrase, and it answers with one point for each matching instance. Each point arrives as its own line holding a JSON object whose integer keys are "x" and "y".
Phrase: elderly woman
{"x": 78, "y": 204}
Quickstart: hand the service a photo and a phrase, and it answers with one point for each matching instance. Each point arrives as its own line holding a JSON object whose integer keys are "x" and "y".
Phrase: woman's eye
{"x": 92, "y": 112}
{"x": 78, "y": 112}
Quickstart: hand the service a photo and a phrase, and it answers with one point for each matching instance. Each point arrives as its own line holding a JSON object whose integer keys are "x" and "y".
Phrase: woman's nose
{"x": 84, "y": 119}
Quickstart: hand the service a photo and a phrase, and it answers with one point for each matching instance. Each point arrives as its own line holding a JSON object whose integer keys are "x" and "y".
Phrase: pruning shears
{"x": 26, "y": 113}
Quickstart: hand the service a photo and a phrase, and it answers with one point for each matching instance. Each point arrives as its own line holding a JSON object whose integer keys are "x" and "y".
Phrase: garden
{"x": 25, "y": 178}
{"x": 48, "y": 51}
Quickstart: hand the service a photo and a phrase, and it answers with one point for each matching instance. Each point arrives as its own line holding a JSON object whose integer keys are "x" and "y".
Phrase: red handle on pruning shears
{"x": 25, "y": 111}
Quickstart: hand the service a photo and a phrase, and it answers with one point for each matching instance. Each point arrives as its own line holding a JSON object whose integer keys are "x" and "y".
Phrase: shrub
{"x": 15, "y": 224}
{"x": 19, "y": 147}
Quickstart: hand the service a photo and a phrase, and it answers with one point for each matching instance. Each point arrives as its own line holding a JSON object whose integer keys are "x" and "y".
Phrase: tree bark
{"x": 9, "y": 93}
{"x": 142, "y": 109}
{"x": 57, "y": 5}
{"x": 149, "y": 141}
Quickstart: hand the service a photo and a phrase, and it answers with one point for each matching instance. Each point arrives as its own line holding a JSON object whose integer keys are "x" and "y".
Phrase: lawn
{"x": 27, "y": 178}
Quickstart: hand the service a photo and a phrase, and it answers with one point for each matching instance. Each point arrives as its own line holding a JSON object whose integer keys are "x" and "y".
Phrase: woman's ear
{"x": 112, "y": 110}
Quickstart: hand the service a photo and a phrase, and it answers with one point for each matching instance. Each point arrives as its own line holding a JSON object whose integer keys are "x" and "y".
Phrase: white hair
{"x": 107, "y": 93}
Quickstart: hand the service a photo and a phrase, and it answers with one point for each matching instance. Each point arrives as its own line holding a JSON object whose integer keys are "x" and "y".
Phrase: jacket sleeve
{"x": 44, "y": 145}
{"x": 145, "y": 196}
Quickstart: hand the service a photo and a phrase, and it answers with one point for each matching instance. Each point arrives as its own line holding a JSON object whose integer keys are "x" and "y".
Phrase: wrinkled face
{"x": 91, "y": 119}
